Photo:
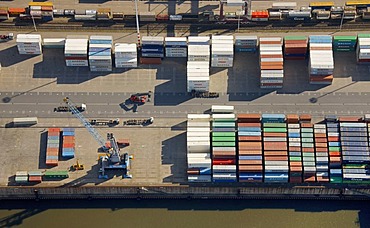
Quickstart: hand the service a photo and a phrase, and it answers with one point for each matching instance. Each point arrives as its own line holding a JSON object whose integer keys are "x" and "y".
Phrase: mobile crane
{"x": 113, "y": 160}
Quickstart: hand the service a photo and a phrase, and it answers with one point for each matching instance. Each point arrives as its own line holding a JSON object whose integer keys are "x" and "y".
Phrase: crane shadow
{"x": 17, "y": 219}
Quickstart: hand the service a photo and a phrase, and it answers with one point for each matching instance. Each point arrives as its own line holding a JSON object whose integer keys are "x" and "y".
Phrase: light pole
{"x": 34, "y": 24}
{"x": 137, "y": 24}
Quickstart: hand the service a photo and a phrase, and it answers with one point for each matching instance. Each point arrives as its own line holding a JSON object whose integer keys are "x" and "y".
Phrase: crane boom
{"x": 85, "y": 122}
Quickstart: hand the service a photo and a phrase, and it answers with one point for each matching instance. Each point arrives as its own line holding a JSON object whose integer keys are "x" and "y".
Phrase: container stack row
{"x": 295, "y": 151}
{"x": 100, "y": 53}
{"x": 222, "y": 51}
{"x": 275, "y": 148}
{"x": 4, "y": 15}
{"x": 321, "y": 64}
{"x": 29, "y": 44}
{"x": 199, "y": 148}
{"x": 271, "y": 62}
{"x": 52, "y": 148}
{"x": 355, "y": 150}
{"x": 152, "y": 47}
{"x": 223, "y": 136}
{"x": 363, "y": 49}
{"x": 250, "y": 148}
{"x": 21, "y": 177}
{"x": 321, "y": 149}
{"x": 35, "y": 176}
{"x": 69, "y": 143}
{"x": 295, "y": 47}
{"x": 246, "y": 43}
{"x": 54, "y": 175}
{"x": 198, "y": 63}
{"x": 125, "y": 55}
{"x": 344, "y": 43}
{"x": 308, "y": 151}
{"x": 41, "y": 11}
{"x": 335, "y": 152}
{"x": 176, "y": 47}
{"x": 76, "y": 51}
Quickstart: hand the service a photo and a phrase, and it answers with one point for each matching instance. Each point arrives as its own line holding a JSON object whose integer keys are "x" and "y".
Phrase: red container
{"x": 308, "y": 150}
{"x": 321, "y": 140}
{"x": 350, "y": 119}
{"x": 193, "y": 171}
{"x": 335, "y": 154}
{"x": 276, "y": 158}
{"x": 68, "y": 145}
{"x": 223, "y": 162}
{"x": 294, "y": 149}
{"x": 324, "y": 145}
{"x": 333, "y": 138}
{"x": 35, "y": 179}
{"x": 250, "y": 162}
{"x": 150, "y": 60}
{"x": 248, "y": 124}
{"x": 54, "y": 129}
{"x": 243, "y": 168}
{"x": 51, "y": 162}
{"x": 271, "y": 134}
{"x": 321, "y": 149}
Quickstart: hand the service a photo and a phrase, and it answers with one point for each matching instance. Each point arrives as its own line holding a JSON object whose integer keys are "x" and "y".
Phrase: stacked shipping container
{"x": 321, "y": 149}
{"x": 363, "y": 49}
{"x": 335, "y": 155}
{"x": 295, "y": 47}
{"x": 41, "y": 10}
{"x": 35, "y": 176}
{"x": 125, "y": 55}
{"x": 76, "y": 51}
{"x": 271, "y": 62}
{"x": 21, "y": 177}
{"x": 69, "y": 142}
{"x": 250, "y": 148}
{"x": 223, "y": 140}
{"x": 198, "y": 63}
{"x": 100, "y": 53}
{"x": 355, "y": 150}
{"x": 321, "y": 64}
{"x": 198, "y": 148}
{"x": 222, "y": 51}
{"x": 308, "y": 149}
{"x": 176, "y": 46}
{"x": 344, "y": 43}
{"x": 54, "y": 42}
{"x": 275, "y": 148}
{"x": 246, "y": 43}
{"x": 52, "y": 149}
{"x": 294, "y": 147}
{"x": 29, "y": 44}
{"x": 152, "y": 47}
{"x": 4, "y": 15}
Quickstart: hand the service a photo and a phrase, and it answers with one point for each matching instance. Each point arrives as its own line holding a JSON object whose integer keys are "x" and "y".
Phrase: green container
{"x": 279, "y": 125}
{"x": 295, "y": 159}
{"x": 275, "y": 130}
{"x": 295, "y": 38}
{"x": 336, "y": 180}
{"x": 223, "y": 144}
{"x": 309, "y": 159}
{"x": 308, "y": 155}
{"x": 223, "y": 134}
{"x": 334, "y": 148}
{"x": 56, "y": 174}
{"x": 307, "y": 130}
{"x": 307, "y": 140}
{"x": 344, "y": 49}
{"x": 224, "y": 120}
{"x": 345, "y": 38}
{"x": 356, "y": 182}
{"x": 307, "y": 135}
{"x": 295, "y": 174}
{"x": 308, "y": 145}
{"x": 223, "y": 139}
{"x": 354, "y": 166}
{"x": 308, "y": 164}
{"x": 224, "y": 124}
{"x": 363, "y": 35}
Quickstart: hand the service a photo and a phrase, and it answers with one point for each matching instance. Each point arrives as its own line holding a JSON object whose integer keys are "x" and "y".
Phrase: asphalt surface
{"x": 100, "y": 104}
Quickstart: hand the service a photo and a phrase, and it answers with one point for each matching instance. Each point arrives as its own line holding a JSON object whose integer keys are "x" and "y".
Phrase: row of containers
{"x": 69, "y": 143}
{"x": 321, "y": 64}
{"x": 199, "y": 55}
{"x": 54, "y": 145}
{"x": 277, "y": 148}
{"x": 271, "y": 62}
{"x": 34, "y": 177}
{"x": 28, "y": 177}
{"x": 52, "y": 148}
{"x": 363, "y": 49}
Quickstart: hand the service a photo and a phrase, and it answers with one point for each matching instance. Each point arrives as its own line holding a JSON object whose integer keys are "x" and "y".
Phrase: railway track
{"x": 192, "y": 27}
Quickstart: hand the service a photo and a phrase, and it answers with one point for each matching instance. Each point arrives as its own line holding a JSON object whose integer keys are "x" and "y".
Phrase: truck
{"x": 139, "y": 121}
{"x": 199, "y": 94}
{"x": 140, "y": 98}
{"x": 104, "y": 121}
{"x": 4, "y": 38}
{"x": 80, "y": 108}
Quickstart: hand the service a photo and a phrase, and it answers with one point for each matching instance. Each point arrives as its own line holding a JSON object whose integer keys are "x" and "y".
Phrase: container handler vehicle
{"x": 4, "y": 38}
{"x": 139, "y": 121}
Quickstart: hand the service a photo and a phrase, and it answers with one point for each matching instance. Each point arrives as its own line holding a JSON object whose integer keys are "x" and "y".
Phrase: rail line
{"x": 192, "y": 27}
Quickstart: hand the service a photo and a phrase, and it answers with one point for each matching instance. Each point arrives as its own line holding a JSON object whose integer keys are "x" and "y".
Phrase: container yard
{"x": 266, "y": 135}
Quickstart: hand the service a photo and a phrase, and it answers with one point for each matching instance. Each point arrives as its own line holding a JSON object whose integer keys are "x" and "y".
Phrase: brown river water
{"x": 184, "y": 213}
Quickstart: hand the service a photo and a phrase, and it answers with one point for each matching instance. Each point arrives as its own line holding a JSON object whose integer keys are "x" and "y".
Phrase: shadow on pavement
{"x": 10, "y": 56}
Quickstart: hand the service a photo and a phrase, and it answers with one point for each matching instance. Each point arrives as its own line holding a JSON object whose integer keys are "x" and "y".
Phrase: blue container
{"x": 355, "y": 153}
{"x": 53, "y": 137}
{"x": 243, "y": 133}
{"x": 224, "y": 180}
{"x": 205, "y": 171}
{"x": 51, "y": 157}
{"x": 68, "y": 150}
{"x": 68, "y": 133}
{"x": 294, "y": 135}
{"x": 356, "y": 144}
{"x": 355, "y": 148}
{"x": 353, "y": 129}
{"x": 250, "y": 157}
{"x": 295, "y": 154}
{"x": 249, "y": 129}
{"x": 334, "y": 143}
{"x": 69, "y": 129}
{"x": 68, "y": 155}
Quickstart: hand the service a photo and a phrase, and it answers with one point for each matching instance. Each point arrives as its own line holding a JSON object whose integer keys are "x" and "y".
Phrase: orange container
{"x": 250, "y": 168}
{"x": 334, "y": 154}
{"x": 68, "y": 145}
{"x": 295, "y": 164}
{"x": 275, "y": 153}
{"x": 249, "y": 138}
{"x": 16, "y": 11}
{"x": 249, "y": 124}
{"x": 35, "y": 179}
{"x": 324, "y": 145}
{"x": 276, "y": 158}
{"x": 271, "y": 134}
{"x": 296, "y": 168}
{"x": 150, "y": 60}
{"x": 308, "y": 150}
{"x": 250, "y": 162}
{"x": 51, "y": 162}
{"x": 322, "y": 149}
{"x": 250, "y": 152}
